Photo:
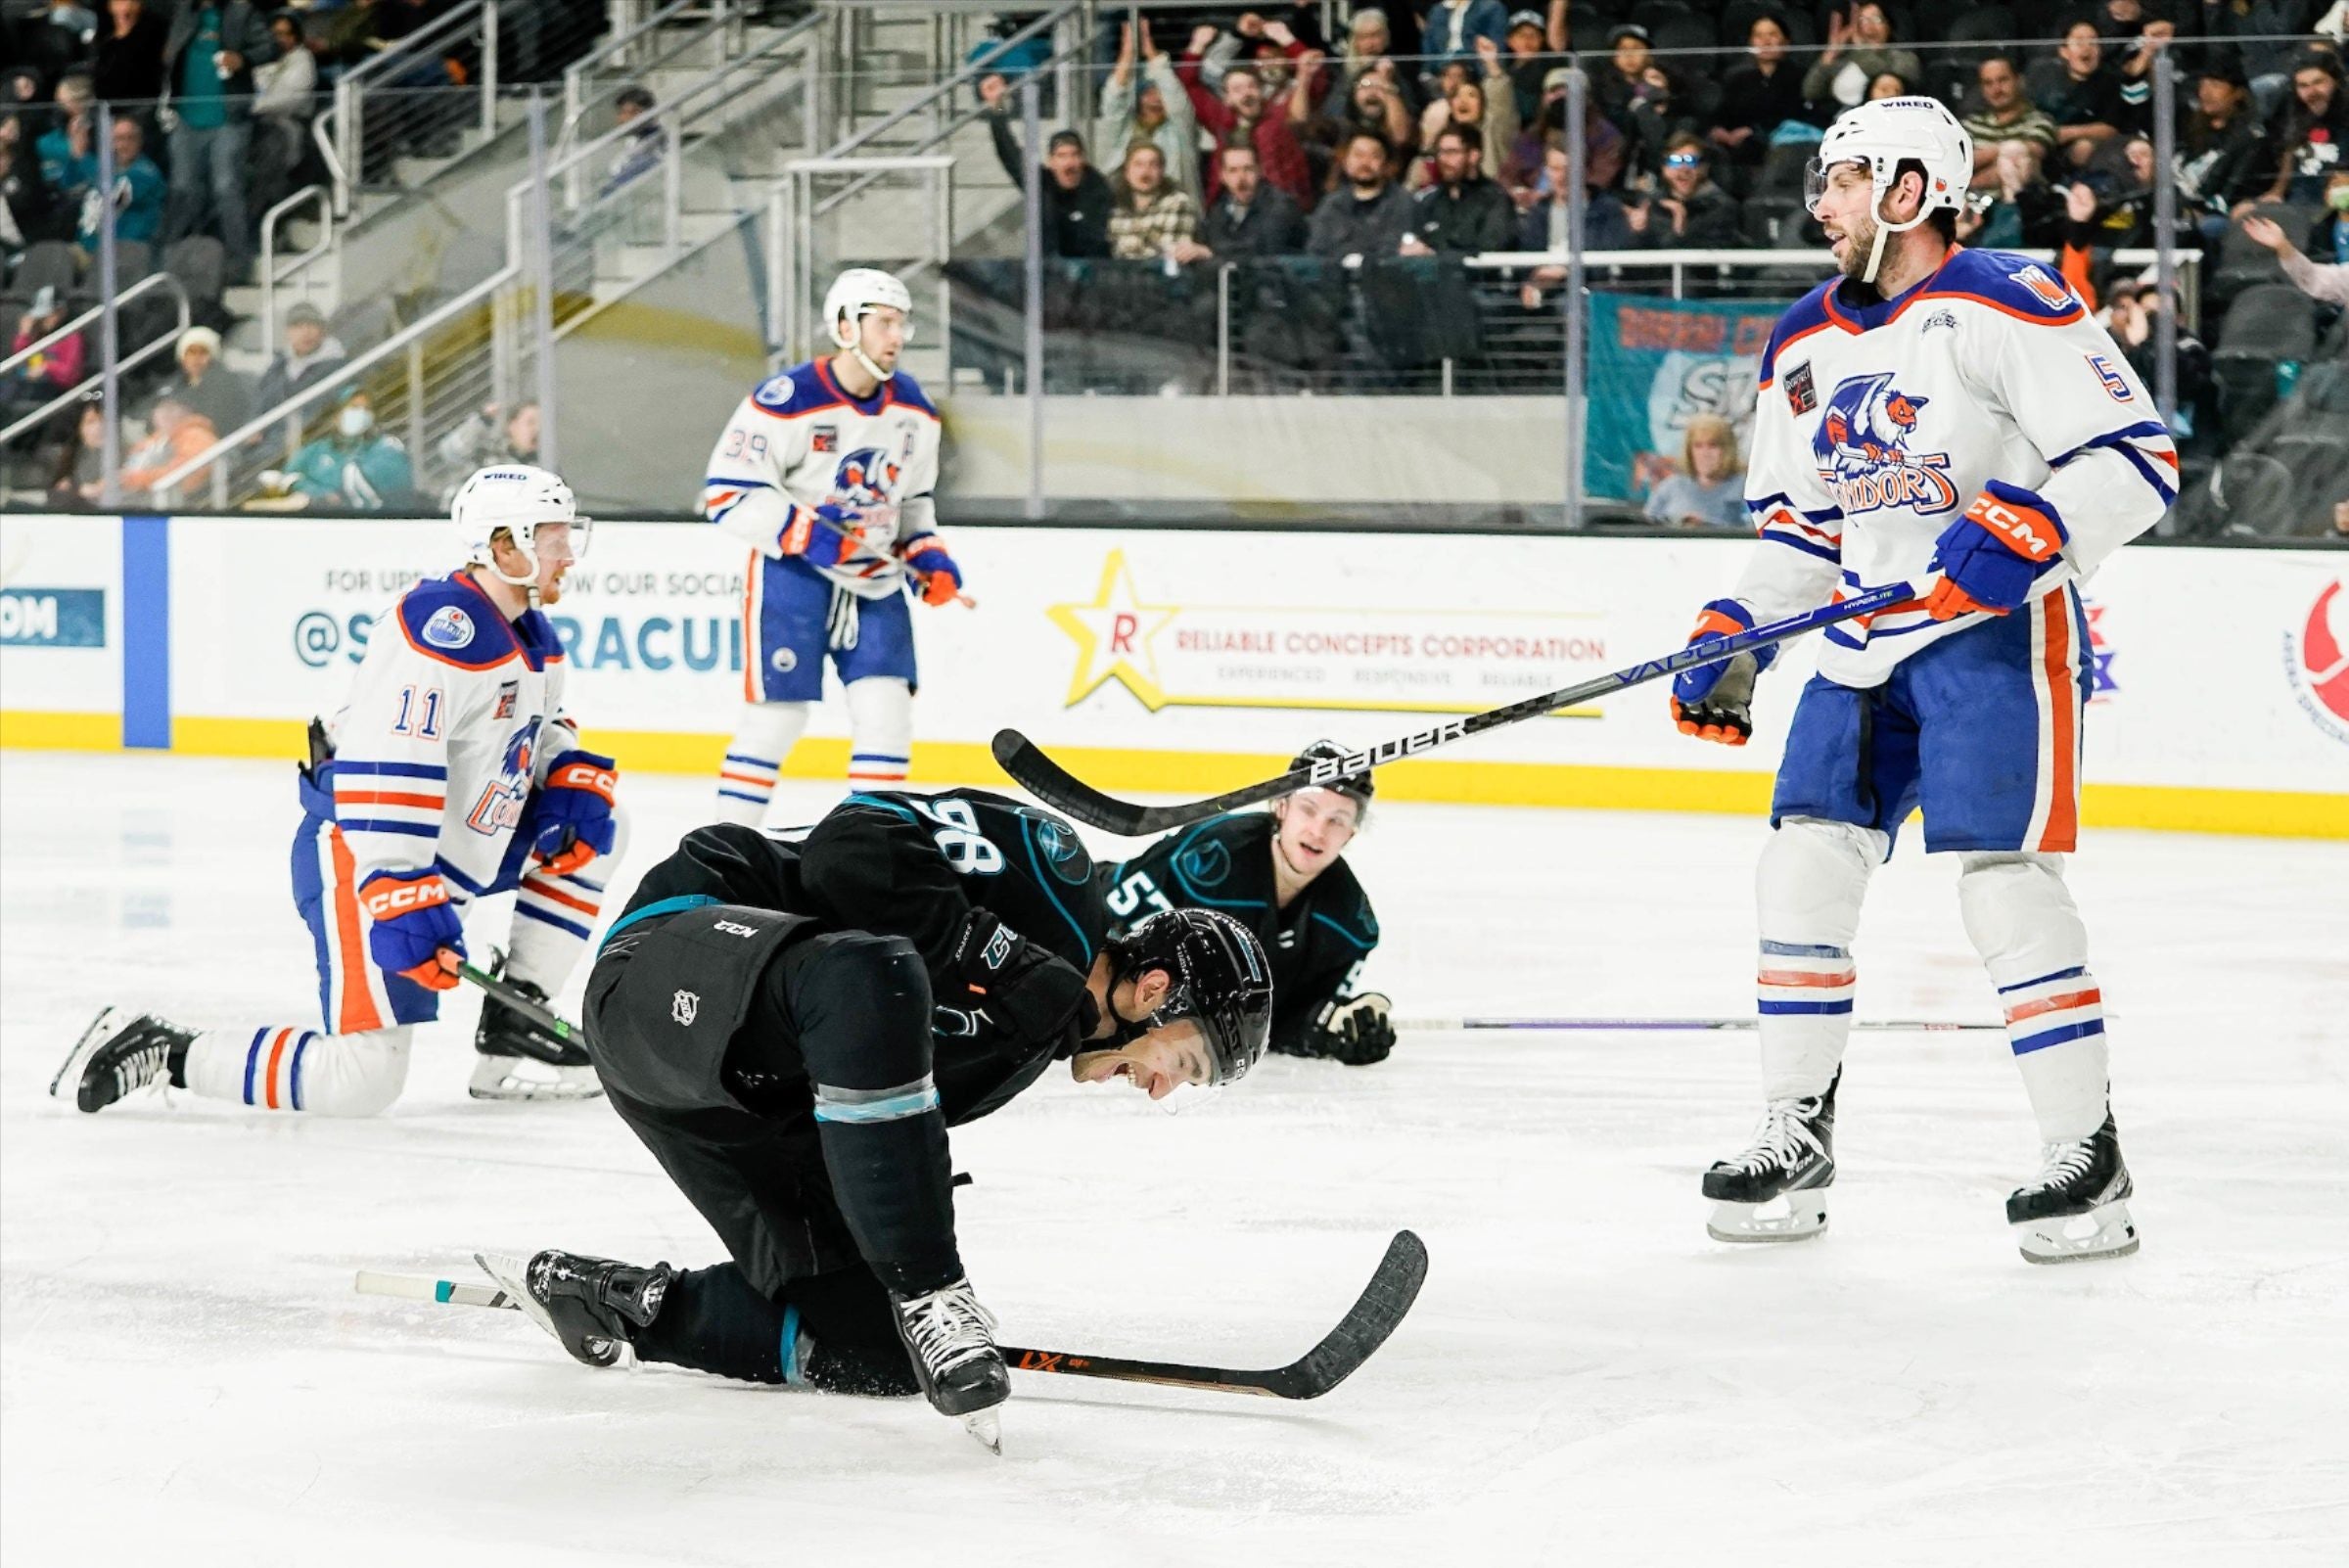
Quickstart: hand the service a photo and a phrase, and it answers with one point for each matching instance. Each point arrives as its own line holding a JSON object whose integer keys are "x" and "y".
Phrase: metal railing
{"x": 471, "y": 26}
{"x": 154, "y": 282}
{"x": 407, "y": 344}
{"x": 271, "y": 277}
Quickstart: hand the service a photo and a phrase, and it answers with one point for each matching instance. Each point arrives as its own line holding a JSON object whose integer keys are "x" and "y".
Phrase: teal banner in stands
{"x": 1655, "y": 364}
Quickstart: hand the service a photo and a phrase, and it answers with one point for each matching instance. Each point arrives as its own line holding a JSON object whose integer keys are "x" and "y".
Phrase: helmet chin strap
{"x": 1884, "y": 226}
{"x": 854, "y": 344}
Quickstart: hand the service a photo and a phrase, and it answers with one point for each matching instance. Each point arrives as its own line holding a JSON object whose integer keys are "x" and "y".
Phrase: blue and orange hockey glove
{"x": 940, "y": 579}
{"x": 1715, "y": 702}
{"x": 574, "y": 812}
{"x": 415, "y": 933}
{"x": 806, "y": 537}
{"x": 1990, "y": 558}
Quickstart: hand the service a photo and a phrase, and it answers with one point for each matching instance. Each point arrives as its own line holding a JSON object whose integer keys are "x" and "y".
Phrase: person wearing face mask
{"x": 1283, "y": 873}
{"x": 357, "y": 466}
{"x": 792, "y": 1023}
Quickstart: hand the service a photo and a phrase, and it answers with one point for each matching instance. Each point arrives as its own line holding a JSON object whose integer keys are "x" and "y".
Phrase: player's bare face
{"x": 551, "y": 543}
{"x": 1313, "y": 829}
{"x": 1158, "y": 1063}
{"x": 1844, "y": 209}
{"x": 881, "y": 332}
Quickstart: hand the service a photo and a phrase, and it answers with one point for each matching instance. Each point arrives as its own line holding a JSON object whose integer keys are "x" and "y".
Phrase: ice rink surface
{"x": 1587, "y": 1378}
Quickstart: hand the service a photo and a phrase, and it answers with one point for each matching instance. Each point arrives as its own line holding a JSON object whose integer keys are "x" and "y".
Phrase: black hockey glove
{"x": 1353, "y": 1029}
{"x": 1013, "y": 986}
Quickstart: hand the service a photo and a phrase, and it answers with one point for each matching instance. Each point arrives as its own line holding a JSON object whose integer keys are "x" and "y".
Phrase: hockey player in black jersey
{"x": 791, "y": 1027}
{"x": 1283, "y": 875}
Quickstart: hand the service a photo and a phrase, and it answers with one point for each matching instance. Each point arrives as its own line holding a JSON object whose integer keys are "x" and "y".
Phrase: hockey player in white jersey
{"x": 1931, "y": 409}
{"x": 452, "y": 773}
{"x": 825, "y": 473}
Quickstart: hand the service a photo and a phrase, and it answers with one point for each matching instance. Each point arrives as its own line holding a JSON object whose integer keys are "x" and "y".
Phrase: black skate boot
{"x": 951, "y": 1339}
{"x": 509, "y": 1038}
{"x": 1792, "y": 1158}
{"x": 592, "y": 1306}
{"x": 120, "y": 1052}
{"x": 2077, "y": 1207}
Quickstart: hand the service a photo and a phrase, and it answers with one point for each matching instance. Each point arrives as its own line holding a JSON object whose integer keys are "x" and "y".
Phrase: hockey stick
{"x": 909, "y": 569}
{"x": 1365, "y": 1327}
{"x": 537, "y": 1012}
{"x": 1672, "y": 1024}
{"x": 1062, "y": 791}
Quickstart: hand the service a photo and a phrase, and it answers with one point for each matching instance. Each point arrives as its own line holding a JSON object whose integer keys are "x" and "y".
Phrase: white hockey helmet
{"x": 1885, "y": 134}
{"x": 520, "y": 500}
{"x": 854, "y": 292}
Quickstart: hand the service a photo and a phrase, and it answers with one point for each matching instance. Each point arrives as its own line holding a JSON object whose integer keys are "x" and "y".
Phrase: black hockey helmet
{"x": 1358, "y": 788}
{"x": 1221, "y": 982}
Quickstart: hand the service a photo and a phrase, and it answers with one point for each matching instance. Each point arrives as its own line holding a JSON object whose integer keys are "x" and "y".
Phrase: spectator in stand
{"x": 2018, "y": 210}
{"x": 1453, "y": 27}
{"x": 1371, "y": 47}
{"x": 485, "y": 438}
{"x": 1636, "y": 94}
{"x": 129, "y": 67}
{"x": 1366, "y": 215}
{"x": 310, "y": 355}
{"x": 2135, "y": 78}
{"x": 2329, "y": 283}
{"x": 1077, "y": 198}
{"x": 1243, "y": 113}
{"x": 1757, "y": 97}
{"x": 176, "y": 432}
{"x": 1249, "y": 218}
{"x": 1605, "y": 227}
{"x": 1708, "y": 491}
{"x": 2331, "y": 238}
{"x": 214, "y": 46}
{"x": 1378, "y": 101}
{"x": 640, "y": 151}
{"x": 355, "y": 33}
{"x": 79, "y": 478}
{"x": 287, "y": 87}
{"x": 1691, "y": 212}
{"x": 357, "y": 466}
{"x": 1859, "y": 50}
{"x": 1486, "y": 107}
{"x": 2131, "y": 308}
{"x": 1888, "y": 85}
{"x": 2005, "y": 115}
{"x": 49, "y": 374}
{"x": 1463, "y": 213}
{"x": 139, "y": 191}
{"x": 2222, "y": 155}
{"x": 61, "y": 38}
{"x": 2315, "y": 132}
{"x": 29, "y": 211}
{"x": 68, "y": 154}
{"x": 1159, "y": 111}
{"x": 2268, "y": 50}
{"x": 1535, "y": 43}
{"x": 2079, "y": 94}
{"x": 206, "y": 386}
{"x": 1151, "y": 219}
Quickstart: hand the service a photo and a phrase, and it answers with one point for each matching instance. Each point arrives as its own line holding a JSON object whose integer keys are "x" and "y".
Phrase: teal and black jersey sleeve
{"x": 1334, "y": 931}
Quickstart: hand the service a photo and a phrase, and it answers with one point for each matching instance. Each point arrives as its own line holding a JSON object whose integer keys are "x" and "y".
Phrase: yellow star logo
{"x": 1114, "y": 635}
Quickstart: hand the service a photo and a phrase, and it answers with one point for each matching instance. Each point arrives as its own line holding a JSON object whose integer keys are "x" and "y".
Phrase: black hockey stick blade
{"x": 1054, "y": 785}
{"x": 537, "y": 1012}
{"x": 1364, "y": 1327}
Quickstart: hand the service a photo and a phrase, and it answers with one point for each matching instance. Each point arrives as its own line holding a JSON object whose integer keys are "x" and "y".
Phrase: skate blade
{"x": 986, "y": 1426}
{"x": 1791, "y": 1216}
{"x": 495, "y": 1078}
{"x": 67, "y": 1085}
{"x": 2106, "y": 1231}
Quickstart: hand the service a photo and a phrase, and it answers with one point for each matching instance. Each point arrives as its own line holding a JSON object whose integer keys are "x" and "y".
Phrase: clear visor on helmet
{"x": 1815, "y": 176}
{"x": 857, "y": 313}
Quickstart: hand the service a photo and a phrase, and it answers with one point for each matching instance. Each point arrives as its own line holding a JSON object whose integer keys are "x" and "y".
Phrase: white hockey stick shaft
{"x": 425, "y": 1287}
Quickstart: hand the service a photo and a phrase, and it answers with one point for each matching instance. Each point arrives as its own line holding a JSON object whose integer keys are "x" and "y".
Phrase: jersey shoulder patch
{"x": 450, "y": 621}
{"x": 1804, "y": 317}
{"x": 2016, "y": 285}
{"x": 798, "y": 390}
{"x": 906, "y": 392}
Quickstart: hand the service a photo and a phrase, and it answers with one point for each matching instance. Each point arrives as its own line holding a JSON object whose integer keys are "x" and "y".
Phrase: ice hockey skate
{"x": 951, "y": 1339}
{"x": 2077, "y": 1208}
{"x": 1777, "y": 1189}
{"x": 518, "y": 1060}
{"x": 119, "y": 1054}
{"x": 592, "y": 1306}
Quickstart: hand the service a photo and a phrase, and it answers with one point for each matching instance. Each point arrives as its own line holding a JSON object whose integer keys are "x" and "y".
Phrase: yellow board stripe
{"x": 2277, "y": 813}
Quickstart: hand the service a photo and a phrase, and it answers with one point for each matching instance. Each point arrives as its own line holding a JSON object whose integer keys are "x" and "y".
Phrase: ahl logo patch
{"x": 824, "y": 439}
{"x": 450, "y": 627}
{"x": 1802, "y": 394}
{"x": 685, "y": 1006}
{"x": 509, "y": 692}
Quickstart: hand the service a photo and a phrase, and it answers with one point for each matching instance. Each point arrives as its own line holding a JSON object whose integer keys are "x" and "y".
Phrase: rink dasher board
{"x": 1146, "y": 656}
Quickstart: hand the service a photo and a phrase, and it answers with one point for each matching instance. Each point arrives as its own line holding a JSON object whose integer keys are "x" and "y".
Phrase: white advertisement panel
{"x": 1170, "y": 654}
{"x": 61, "y": 614}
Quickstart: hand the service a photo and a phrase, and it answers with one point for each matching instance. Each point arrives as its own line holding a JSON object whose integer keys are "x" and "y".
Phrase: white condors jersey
{"x": 1879, "y": 424}
{"x": 455, "y": 716}
{"x": 799, "y": 440}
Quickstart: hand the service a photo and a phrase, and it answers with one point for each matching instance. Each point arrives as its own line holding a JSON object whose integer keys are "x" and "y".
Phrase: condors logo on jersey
{"x": 1861, "y": 449}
